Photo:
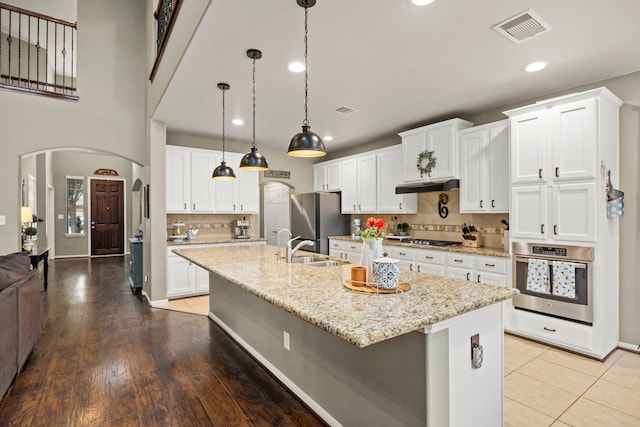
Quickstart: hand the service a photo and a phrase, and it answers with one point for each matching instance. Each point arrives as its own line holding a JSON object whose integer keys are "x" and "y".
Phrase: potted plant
{"x": 30, "y": 234}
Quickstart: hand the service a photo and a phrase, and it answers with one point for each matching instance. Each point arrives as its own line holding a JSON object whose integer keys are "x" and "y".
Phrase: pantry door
{"x": 107, "y": 217}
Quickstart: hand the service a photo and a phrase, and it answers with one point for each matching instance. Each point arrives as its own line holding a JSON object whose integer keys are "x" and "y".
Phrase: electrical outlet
{"x": 60, "y": 216}
{"x": 146, "y": 278}
{"x": 286, "y": 342}
{"x": 3, "y": 220}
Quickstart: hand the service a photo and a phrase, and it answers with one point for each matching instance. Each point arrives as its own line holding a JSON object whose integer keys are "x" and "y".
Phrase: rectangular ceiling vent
{"x": 343, "y": 109}
{"x": 523, "y": 26}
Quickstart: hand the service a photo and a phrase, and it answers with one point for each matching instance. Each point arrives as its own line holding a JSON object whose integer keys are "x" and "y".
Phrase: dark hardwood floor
{"x": 105, "y": 358}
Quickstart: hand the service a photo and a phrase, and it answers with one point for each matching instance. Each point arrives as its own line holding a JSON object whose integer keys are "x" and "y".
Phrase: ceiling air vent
{"x": 523, "y": 26}
{"x": 343, "y": 109}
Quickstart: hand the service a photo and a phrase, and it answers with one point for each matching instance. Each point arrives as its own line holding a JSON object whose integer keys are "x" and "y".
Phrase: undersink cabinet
{"x": 442, "y": 139}
{"x": 484, "y": 168}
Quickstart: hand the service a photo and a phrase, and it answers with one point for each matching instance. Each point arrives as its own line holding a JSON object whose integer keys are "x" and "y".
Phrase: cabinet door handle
{"x": 540, "y": 173}
{"x": 354, "y": 207}
{"x": 489, "y": 265}
{"x": 468, "y": 276}
{"x": 418, "y": 268}
{"x": 428, "y": 257}
{"x": 555, "y": 229}
{"x": 549, "y": 329}
{"x": 400, "y": 206}
{"x": 185, "y": 206}
{"x": 194, "y": 206}
{"x": 457, "y": 260}
{"x": 411, "y": 267}
{"x": 478, "y": 278}
{"x": 359, "y": 207}
{"x": 481, "y": 204}
{"x": 402, "y": 253}
{"x": 493, "y": 203}
{"x": 241, "y": 207}
{"x": 541, "y": 228}
{"x": 557, "y": 173}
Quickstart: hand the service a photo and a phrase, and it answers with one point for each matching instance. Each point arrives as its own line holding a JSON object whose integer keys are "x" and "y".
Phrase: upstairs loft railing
{"x": 165, "y": 15}
{"x": 37, "y": 53}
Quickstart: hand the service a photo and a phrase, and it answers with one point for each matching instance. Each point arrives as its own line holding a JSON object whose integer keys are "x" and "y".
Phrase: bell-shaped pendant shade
{"x": 223, "y": 172}
{"x": 306, "y": 144}
{"x": 254, "y": 161}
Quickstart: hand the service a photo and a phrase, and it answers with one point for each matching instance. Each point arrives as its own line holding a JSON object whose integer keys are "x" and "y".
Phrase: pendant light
{"x": 223, "y": 171}
{"x": 254, "y": 160}
{"x": 306, "y": 143}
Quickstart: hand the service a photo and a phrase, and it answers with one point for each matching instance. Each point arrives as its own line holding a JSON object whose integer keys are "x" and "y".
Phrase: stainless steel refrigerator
{"x": 315, "y": 216}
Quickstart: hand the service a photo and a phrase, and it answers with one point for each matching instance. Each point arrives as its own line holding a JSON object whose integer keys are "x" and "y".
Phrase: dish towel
{"x": 538, "y": 276}
{"x": 564, "y": 279}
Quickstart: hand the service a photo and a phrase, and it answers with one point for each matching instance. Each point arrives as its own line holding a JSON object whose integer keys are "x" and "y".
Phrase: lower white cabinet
{"x": 344, "y": 249}
{"x": 405, "y": 256}
{"x": 489, "y": 270}
{"x": 185, "y": 278}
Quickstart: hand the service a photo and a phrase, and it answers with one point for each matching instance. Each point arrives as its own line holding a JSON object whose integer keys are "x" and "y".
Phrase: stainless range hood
{"x": 427, "y": 187}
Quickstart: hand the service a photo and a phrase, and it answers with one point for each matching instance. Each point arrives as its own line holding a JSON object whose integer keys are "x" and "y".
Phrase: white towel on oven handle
{"x": 564, "y": 279}
{"x": 538, "y": 276}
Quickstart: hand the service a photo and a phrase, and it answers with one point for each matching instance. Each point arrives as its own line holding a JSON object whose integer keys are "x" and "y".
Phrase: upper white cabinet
{"x": 442, "y": 139}
{"x": 189, "y": 187}
{"x": 557, "y": 149}
{"x": 389, "y": 175}
{"x": 484, "y": 168}
{"x": 240, "y": 195}
{"x": 359, "y": 184}
{"x": 327, "y": 176}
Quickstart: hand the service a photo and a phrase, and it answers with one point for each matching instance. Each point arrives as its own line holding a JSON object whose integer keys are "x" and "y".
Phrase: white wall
{"x": 110, "y": 114}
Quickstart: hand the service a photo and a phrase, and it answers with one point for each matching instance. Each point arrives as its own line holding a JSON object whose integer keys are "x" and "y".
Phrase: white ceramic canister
{"x": 386, "y": 272}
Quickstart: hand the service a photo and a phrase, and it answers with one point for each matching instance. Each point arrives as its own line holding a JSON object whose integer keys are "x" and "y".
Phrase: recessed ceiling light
{"x": 237, "y": 122}
{"x": 535, "y": 66}
{"x": 421, "y": 2}
{"x": 296, "y": 67}
{"x": 327, "y": 138}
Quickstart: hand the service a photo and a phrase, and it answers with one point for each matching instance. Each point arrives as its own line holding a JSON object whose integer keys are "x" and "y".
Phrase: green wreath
{"x": 431, "y": 162}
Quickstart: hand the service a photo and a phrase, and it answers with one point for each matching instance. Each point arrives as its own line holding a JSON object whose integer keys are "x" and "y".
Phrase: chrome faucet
{"x": 290, "y": 251}
{"x": 280, "y": 231}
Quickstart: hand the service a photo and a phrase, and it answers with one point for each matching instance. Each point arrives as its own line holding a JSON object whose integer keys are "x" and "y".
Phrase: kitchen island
{"x": 359, "y": 359}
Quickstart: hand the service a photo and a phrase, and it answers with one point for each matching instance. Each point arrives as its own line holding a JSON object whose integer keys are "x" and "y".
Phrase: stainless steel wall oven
{"x": 554, "y": 280}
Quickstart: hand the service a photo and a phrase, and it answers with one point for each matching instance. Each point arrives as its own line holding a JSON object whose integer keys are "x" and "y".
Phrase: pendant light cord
{"x": 306, "y": 67}
{"x": 253, "y": 145}
{"x": 223, "y": 109}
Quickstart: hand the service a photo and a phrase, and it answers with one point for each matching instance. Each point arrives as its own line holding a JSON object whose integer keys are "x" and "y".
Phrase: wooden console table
{"x": 42, "y": 254}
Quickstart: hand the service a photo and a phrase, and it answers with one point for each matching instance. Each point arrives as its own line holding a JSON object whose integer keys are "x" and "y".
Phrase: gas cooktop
{"x": 429, "y": 242}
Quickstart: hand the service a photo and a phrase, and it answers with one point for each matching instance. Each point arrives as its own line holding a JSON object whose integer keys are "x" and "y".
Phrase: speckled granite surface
{"x": 214, "y": 240}
{"x": 497, "y": 252}
{"x": 317, "y": 296}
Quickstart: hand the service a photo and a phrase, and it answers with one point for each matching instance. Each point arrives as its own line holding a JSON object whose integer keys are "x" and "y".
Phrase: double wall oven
{"x": 554, "y": 280}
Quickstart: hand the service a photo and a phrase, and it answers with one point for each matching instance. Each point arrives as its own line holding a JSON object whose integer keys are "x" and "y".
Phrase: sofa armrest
{"x": 28, "y": 291}
{"x": 8, "y": 337}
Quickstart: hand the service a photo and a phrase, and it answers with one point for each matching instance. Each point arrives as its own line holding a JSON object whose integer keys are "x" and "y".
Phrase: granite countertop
{"x": 214, "y": 240}
{"x": 497, "y": 252}
{"x": 316, "y": 294}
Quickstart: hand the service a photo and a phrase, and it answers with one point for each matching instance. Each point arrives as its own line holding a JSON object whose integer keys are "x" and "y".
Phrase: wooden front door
{"x": 107, "y": 217}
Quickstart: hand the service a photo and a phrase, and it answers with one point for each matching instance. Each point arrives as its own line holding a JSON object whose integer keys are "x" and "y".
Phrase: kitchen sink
{"x": 313, "y": 261}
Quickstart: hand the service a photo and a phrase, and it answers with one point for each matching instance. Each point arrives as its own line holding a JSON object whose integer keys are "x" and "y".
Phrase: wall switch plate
{"x": 60, "y": 216}
{"x": 3, "y": 220}
{"x": 286, "y": 342}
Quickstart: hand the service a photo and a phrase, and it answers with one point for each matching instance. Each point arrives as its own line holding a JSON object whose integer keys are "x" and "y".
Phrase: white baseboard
{"x": 278, "y": 374}
{"x": 632, "y": 347}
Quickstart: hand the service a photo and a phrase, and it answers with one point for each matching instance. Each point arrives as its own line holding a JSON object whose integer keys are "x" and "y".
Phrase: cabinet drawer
{"x": 437, "y": 270}
{"x": 458, "y": 260}
{"x": 400, "y": 252}
{"x": 336, "y": 245}
{"x": 430, "y": 257}
{"x": 352, "y": 247}
{"x": 491, "y": 265}
{"x": 550, "y": 329}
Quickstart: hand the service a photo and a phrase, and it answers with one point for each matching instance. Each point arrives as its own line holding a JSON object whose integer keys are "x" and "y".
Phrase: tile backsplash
{"x": 427, "y": 223}
{"x": 212, "y": 225}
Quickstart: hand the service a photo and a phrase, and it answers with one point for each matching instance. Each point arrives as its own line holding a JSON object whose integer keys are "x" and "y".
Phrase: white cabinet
{"x": 359, "y": 184}
{"x": 178, "y": 180}
{"x": 484, "y": 168}
{"x": 558, "y": 147}
{"x": 389, "y": 175}
{"x": 563, "y": 212}
{"x": 405, "y": 256}
{"x": 202, "y": 165}
{"x": 185, "y": 278}
{"x": 349, "y": 250}
{"x": 489, "y": 270}
{"x": 240, "y": 195}
{"x": 431, "y": 262}
{"x": 442, "y": 139}
{"x": 327, "y": 176}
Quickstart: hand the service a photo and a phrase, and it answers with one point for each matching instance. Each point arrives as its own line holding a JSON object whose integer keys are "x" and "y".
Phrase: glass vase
{"x": 371, "y": 249}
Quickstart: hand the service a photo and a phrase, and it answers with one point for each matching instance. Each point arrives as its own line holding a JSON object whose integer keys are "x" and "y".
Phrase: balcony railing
{"x": 165, "y": 14}
{"x": 37, "y": 53}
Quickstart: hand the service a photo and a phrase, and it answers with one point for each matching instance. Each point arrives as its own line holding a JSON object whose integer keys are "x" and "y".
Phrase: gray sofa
{"x": 19, "y": 315}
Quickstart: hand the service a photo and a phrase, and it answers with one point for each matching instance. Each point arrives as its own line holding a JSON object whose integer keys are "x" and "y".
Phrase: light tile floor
{"x": 544, "y": 386}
